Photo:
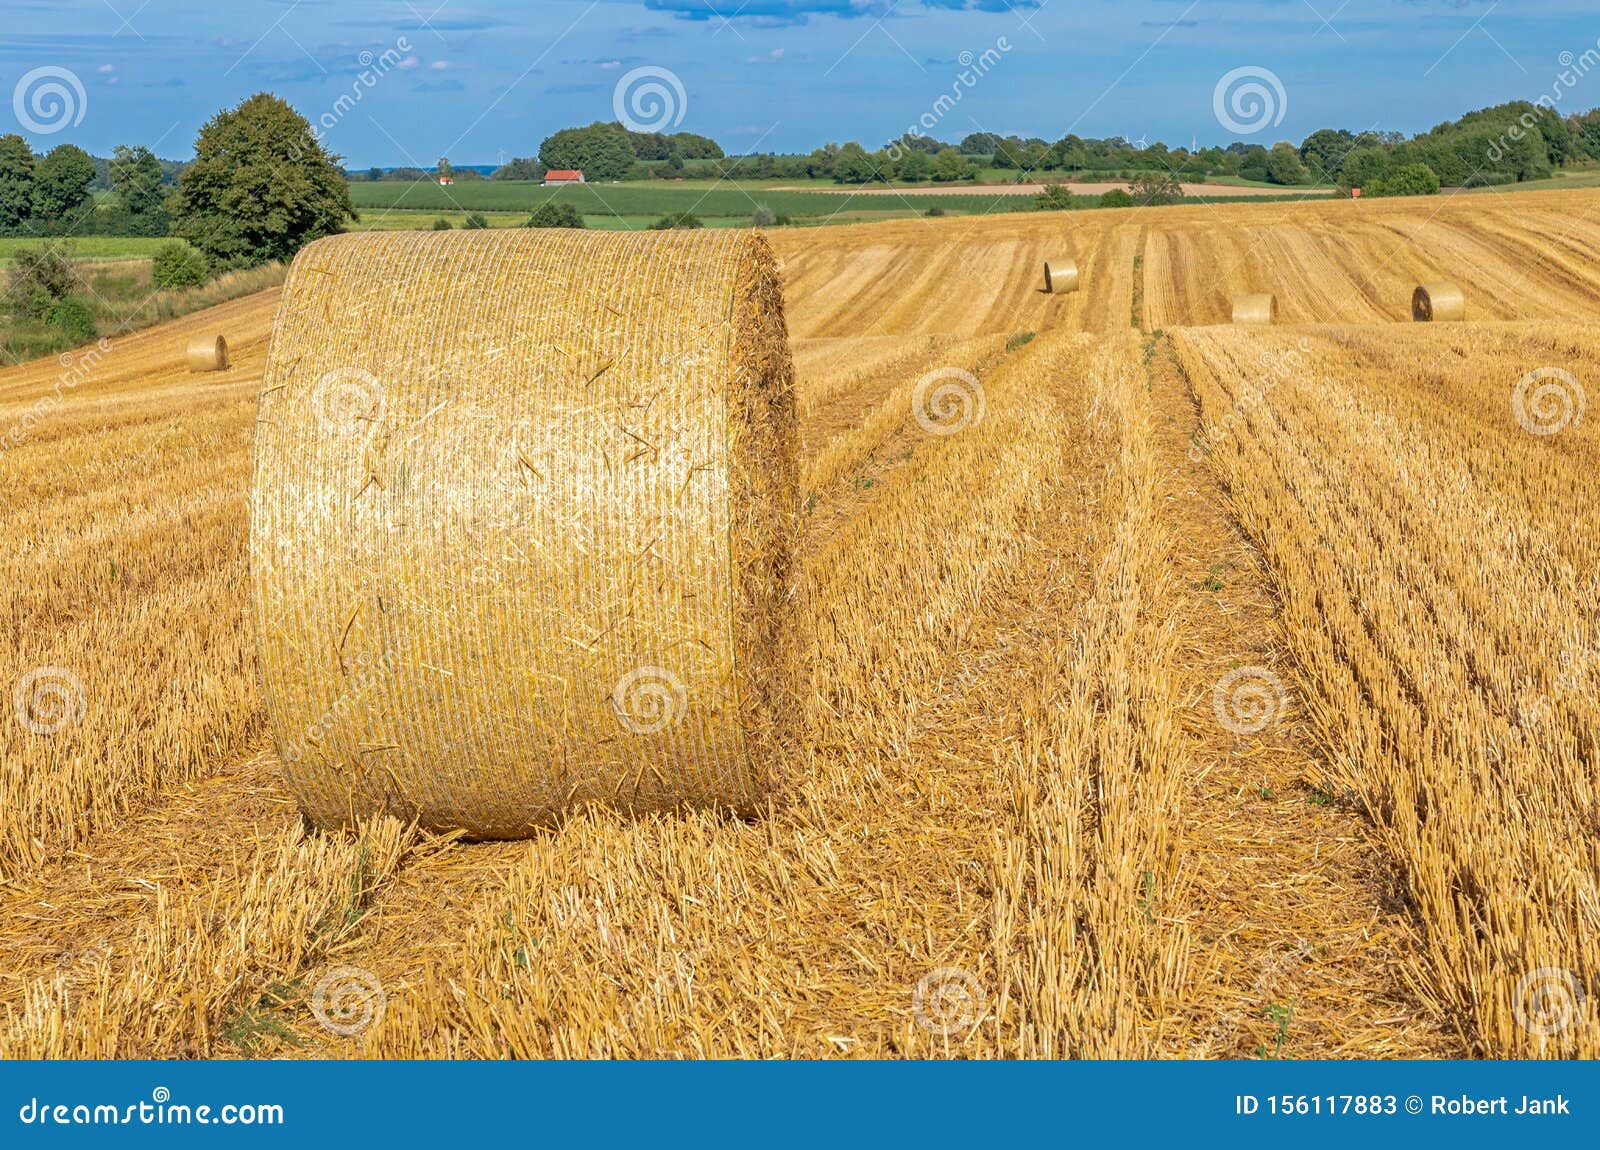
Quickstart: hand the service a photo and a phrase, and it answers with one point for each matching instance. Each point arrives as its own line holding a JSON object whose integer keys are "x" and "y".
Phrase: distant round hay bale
{"x": 1261, "y": 308}
{"x": 523, "y": 525}
{"x": 207, "y": 353}
{"x": 1060, "y": 276}
{"x": 1438, "y": 302}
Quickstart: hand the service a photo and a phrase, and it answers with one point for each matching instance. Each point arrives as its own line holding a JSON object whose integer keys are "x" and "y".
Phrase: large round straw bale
{"x": 523, "y": 520}
{"x": 1258, "y": 308}
{"x": 1060, "y": 276}
{"x": 1440, "y": 301}
{"x": 207, "y": 353}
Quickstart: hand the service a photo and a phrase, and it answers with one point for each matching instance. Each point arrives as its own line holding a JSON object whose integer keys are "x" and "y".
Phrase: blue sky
{"x": 485, "y": 79}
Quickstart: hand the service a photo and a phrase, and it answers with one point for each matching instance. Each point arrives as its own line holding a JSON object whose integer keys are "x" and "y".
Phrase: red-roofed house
{"x": 563, "y": 176}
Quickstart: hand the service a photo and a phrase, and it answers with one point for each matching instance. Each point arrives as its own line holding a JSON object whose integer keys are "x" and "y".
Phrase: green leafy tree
{"x": 1285, "y": 167}
{"x": 650, "y": 145}
{"x": 444, "y": 171}
{"x": 261, "y": 186}
{"x": 600, "y": 151}
{"x": 374, "y": 175}
{"x": 1406, "y": 180}
{"x": 177, "y": 265}
{"x": 1585, "y": 130}
{"x": 1155, "y": 189}
{"x": 440, "y": 224}
{"x": 1116, "y": 198}
{"x": 853, "y": 166}
{"x": 688, "y": 146}
{"x": 1323, "y": 152}
{"x": 676, "y": 220}
{"x": 762, "y": 217}
{"x": 520, "y": 168}
{"x": 981, "y": 144}
{"x": 950, "y": 166}
{"x": 913, "y": 166}
{"x": 74, "y": 319}
{"x": 61, "y": 182}
{"x": 41, "y": 277}
{"x": 135, "y": 175}
{"x": 16, "y": 181}
{"x": 1056, "y": 198}
{"x": 476, "y": 221}
{"x": 553, "y": 215}
{"x": 1364, "y": 165}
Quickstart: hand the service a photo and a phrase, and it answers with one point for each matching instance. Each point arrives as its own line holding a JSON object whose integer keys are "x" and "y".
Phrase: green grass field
{"x": 724, "y": 199}
{"x": 91, "y": 247}
{"x": 1566, "y": 181}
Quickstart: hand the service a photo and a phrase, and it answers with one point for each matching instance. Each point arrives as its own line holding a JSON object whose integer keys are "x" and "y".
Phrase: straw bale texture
{"x": 1060, "y": 276}
{"x": 207, "y": 353}
{"x": 1441, "y": 302}
{"x": 1259, "y": 308}
{"x": 523, "y": 521}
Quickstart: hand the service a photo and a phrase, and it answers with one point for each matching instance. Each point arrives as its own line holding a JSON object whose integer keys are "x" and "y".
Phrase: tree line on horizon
{"x": 261, "y": 183}
{"x": 1509, "y": 143}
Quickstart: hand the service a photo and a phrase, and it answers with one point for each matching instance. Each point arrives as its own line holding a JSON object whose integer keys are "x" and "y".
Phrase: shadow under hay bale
{"x": 523, "y": 519}
{"x": 1261, "y": 308}
{"x": 1060, "y": 276}
{"x": 207, "y": 353}
{"x": 1438, "y": 302}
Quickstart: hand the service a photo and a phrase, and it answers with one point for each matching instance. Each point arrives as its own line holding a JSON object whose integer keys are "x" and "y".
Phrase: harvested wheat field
{"x": 1168, "y": 688}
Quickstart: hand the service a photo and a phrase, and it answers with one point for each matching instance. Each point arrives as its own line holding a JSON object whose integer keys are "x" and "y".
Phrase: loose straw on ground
{"x": 1438, "y": 302}
{"x": 207, "y": 353}
{"x": 1060, "y": 276}
{"x": 524, "y": 512}
{"x": 1261, "y": 308}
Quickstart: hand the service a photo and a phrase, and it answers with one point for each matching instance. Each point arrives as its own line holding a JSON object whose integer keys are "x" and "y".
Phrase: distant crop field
{"x": 724, "y": 199}
{"x": 90, "y": 247}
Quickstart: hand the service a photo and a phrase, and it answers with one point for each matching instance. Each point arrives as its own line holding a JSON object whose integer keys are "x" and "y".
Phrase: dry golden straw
{"x": 1259, "y": 308}
{"x": 524, "y": 510}
{"x": 1060, "y": 276}
{"x": 1440, "y": 302}
{"x": 207, "y": 353}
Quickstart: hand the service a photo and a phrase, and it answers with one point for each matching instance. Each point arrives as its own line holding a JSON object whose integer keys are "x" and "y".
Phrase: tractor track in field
{"x": 1301, "y": 943}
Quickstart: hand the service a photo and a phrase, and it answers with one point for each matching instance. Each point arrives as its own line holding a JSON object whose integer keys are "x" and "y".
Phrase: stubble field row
{"x": 1025, "y": 789}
